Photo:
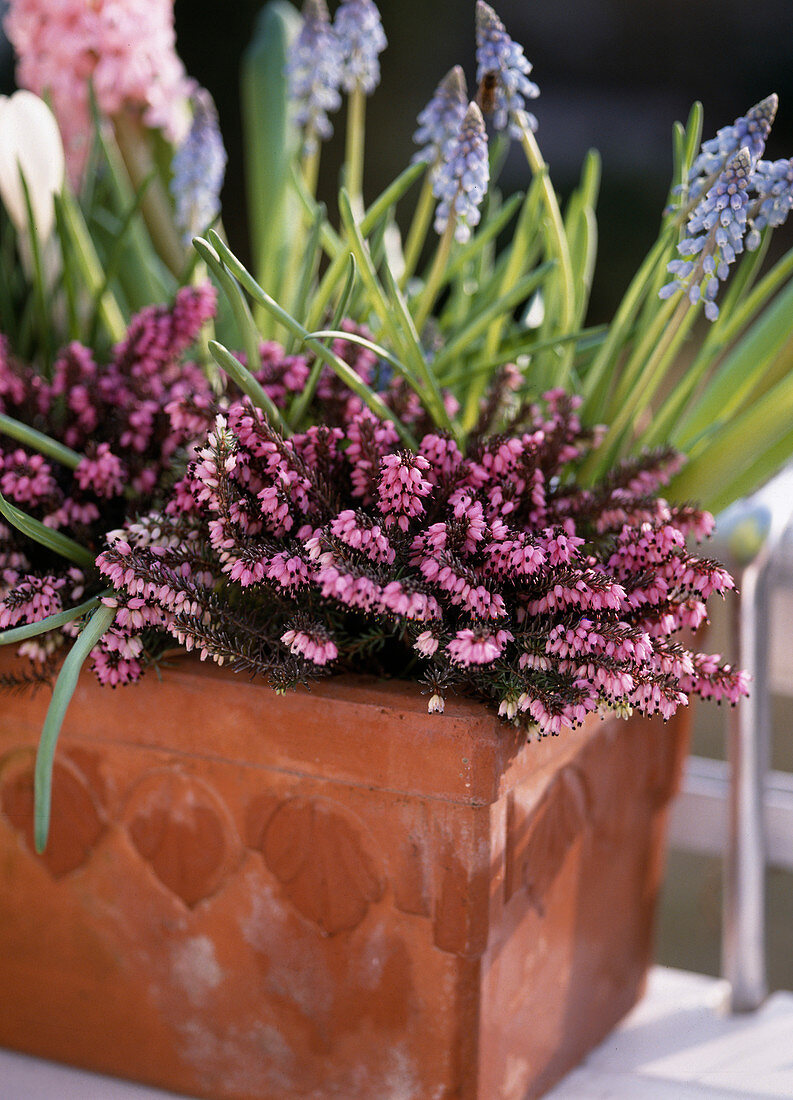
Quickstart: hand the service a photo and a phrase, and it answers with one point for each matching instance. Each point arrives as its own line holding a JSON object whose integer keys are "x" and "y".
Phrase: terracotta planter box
{"x": 325, "y": 895}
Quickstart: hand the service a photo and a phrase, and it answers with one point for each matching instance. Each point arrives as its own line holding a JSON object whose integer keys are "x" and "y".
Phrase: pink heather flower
{"x": 712, "y": 680}
{"x": 412, "y": 604}
{"x": 102, "y": 472}
{"x": 470, "y": 511}
{"x": 246, "y": 572}
{"x": 72, "y": 514}
{"x": 435, "y": 704}
{"x": 12, "y": 388}
{"x": 112, "y": 669}
{"x": 508, "y": 707}
{"x": 32, "y": 599}
{"x": 315, "y": 645}
{"x": 24, "y": 478}
{"x": 116, "y": 641}
{"x": 514, "y": 557}
{"x": 506, "y": 543}
{"x": 369, "y": 438}
{"x": 358, "y": 531}
{"x": 477, "y": 647}
{"x": 561, "y": 548}
{"x": 135, "y": 614}
{"x": 402, "y": 486}
{"x": 535, "y": 661}
{"x": 125, "y": 50}
{"x": 288, "y": 570}
{"x": 426, "y": 644}
{"x": 443, "y": 455}
{"x": 348, "y": 588}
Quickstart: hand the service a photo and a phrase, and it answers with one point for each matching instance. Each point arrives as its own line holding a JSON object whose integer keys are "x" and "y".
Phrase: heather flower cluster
{"x": 494, "y": 572}
{"x": 126, "y": 52}
{"x": 735, "y": 195}
{"x": 125, "y": 421}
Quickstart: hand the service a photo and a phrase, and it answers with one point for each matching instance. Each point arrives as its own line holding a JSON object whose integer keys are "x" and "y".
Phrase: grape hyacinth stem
{"x": 436, "y": 276}
{"x": 355, "y": 138}
{"x": 558, "y": 249}
{"x": 419, "y": 227}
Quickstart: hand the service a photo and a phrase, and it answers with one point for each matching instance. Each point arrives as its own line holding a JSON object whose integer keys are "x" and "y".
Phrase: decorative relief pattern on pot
{"x": 77, "y": 818}
{"x": 540, "y": 836}
{"x": 183, "y": 830}
{"x": 322, "y": 857}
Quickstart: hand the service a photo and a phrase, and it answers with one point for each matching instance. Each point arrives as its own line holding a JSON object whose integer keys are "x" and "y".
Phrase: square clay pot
{"x": 325, "y": 894}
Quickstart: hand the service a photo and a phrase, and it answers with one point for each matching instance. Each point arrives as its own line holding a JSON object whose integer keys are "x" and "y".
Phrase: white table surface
{"x": 677, "y": 1044}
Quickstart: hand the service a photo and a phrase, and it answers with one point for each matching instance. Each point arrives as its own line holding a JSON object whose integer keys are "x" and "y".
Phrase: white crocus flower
{"x": 31, "y": 142}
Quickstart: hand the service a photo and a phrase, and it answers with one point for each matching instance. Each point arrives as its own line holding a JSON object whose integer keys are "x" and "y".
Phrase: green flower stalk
{"x": 314, "y": 75}
{"x": 361, "y": 39}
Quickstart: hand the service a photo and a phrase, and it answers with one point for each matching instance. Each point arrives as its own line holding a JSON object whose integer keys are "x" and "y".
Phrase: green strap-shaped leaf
{"x": 342, "y": 369}
{"x": 249, "y": 385}
{"x": 270, "y": 141}
{"x": 480, "y": 322}
{"x": 378, "y": 210}
{"x": 97, "y": 625}
{"x": 88, "y": 264}
{"x": 52, "y": 622}
{"x": 39, "y": 285}
{"x": 37, "y": 441}
{"x": 249, "y": 334}
{"x": 761, "y": 358}
{"x": 45, "y": 536}
{"x": 753, "y": 439}
{"x": 361, "y": 341}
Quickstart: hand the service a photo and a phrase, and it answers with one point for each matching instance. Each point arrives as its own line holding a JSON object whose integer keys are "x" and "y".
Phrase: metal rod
{"x": 743, "y": 940}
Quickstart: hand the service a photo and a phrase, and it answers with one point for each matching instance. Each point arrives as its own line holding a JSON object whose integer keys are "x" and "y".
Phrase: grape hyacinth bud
{"x": 314, "y": 74}
{"x": 750, "y": 131}
{"x": 773, "y": 183}
{"x": 440, "y": 121}
{"x": 501, "y": 71}
{"x": 462, "y": 177}
{"x": 361, "y": 39}
{"x": 714, "y": 236}
{"x": 199, "y": 165}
